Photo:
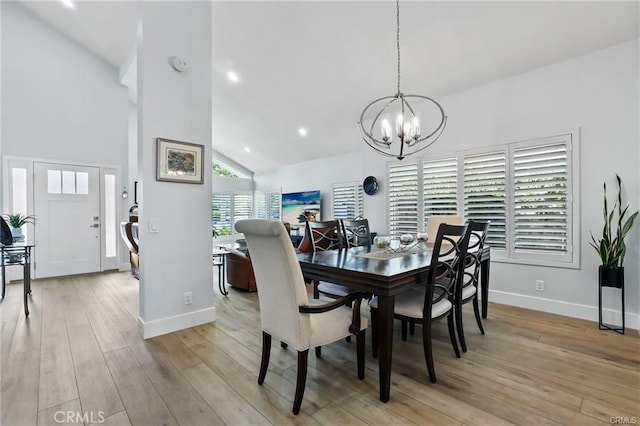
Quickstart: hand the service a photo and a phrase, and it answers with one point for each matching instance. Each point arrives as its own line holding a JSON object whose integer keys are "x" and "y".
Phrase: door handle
{"x": 95, "y": 225}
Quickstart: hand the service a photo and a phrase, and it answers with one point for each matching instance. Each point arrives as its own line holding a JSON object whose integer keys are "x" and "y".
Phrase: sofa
{"x": 240, "y": 271}
{"x": 239, "y": 268}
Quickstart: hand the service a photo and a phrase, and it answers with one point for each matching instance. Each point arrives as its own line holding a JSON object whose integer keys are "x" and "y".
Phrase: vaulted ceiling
{"x": 316, "y": 64}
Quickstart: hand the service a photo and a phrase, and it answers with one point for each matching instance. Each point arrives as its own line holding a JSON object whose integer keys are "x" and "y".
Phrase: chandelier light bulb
{"x": 415, "y": 128}
{"x": 385, "y": 127}
{"x": 400, "y": 126}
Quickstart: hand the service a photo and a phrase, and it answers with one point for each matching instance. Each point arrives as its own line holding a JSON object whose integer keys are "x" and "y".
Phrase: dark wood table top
{"x": 380, "y": 276}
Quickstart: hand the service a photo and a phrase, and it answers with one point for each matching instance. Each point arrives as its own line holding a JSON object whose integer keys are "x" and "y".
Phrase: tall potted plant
{"x": 611, "y": 246}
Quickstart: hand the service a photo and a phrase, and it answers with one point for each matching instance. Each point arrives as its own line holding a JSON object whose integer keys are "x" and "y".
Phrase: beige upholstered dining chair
{"x": 433, "y": 223}
{"x": 434, "y": 300}
{"x": 285, "y": 309}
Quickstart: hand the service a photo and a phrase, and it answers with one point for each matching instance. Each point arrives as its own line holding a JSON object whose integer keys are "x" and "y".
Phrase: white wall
{"x": 172, "y": 105}
{"x": 316, "y": 174}
{"x": 598, "y": 93}
{"x": 59, "y": 101}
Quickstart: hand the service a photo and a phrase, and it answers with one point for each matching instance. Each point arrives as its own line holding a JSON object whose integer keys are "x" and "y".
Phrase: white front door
{"x": 67, "y": 210}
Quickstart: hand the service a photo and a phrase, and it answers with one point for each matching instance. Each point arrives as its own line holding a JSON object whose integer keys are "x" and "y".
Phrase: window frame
{"x": 358, "y": 192}
{"x": 232, "y": 194}
{"x": 570, "y": 259}
{"x": 265, "y": 195}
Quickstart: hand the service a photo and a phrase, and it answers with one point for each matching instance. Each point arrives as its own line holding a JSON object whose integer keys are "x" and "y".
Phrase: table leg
{"x": 26, "y": 285}
{"x": 384, "y": 324}
{"x": 3, "y": 277}
{"x": 484, "y": 285}
{"x": 28, "y": 267}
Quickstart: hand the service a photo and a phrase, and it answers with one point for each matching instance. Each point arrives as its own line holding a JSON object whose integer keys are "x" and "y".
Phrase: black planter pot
{"x": 610, "y": 277}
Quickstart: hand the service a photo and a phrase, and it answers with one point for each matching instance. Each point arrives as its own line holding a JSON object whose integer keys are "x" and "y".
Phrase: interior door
{"x": 67, "y": 210}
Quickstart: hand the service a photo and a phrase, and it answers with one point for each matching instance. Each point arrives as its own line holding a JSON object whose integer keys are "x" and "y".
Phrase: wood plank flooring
{"x": 80, "y": 352}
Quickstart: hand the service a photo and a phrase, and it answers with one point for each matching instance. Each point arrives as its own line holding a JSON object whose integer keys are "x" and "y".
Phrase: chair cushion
{"x": 468, "y": 292}
{"x": 333, "y": 289}
{"x": 410, "y": 303}
{"x": 331, "y": 326}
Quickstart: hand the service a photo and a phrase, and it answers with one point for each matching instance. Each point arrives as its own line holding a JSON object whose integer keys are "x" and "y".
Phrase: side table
{"x": 218, "y": 259}
{"x": 18, "y": 254}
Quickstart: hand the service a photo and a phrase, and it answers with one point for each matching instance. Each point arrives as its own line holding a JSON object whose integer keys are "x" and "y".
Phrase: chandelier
{"x": 418, "y": 120}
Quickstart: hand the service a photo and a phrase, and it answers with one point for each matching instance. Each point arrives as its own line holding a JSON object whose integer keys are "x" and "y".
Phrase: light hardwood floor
{"x": 79, "y": 351}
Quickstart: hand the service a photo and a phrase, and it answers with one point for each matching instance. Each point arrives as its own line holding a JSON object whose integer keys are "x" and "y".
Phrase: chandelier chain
{"x": 398, "y": 39}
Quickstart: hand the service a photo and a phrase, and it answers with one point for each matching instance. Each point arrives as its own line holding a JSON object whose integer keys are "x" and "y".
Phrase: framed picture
{"x": 179, "y": 161}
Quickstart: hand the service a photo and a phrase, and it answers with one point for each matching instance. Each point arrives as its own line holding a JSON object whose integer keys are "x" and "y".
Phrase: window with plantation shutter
{"x": 440, "y": 187}
{"x": 485, "y": 193}
{"x": 242, "y": 207}
{"x": 227, "y": 209}
{"x": 266, "y": 205}
{"x": 403, "y": 199}
{"x": 221, "y": 213}
{"x": 525, "y": 189}
{"x": 348, "y": 200}
{"x": 274, "y": 201}
{"x": 540, "y": 194}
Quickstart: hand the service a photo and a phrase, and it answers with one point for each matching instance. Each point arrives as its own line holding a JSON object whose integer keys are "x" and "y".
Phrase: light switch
{"x": 154, "y": 226}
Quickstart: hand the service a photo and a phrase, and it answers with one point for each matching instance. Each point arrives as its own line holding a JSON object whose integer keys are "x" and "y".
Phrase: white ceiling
{"x": 317, "y": 64}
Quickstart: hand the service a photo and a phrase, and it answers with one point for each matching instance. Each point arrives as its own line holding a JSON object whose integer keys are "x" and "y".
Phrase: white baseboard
{"x": 175, "y": 323}
{"x": 590, "y": 313}
{"x": 124, "y": 267}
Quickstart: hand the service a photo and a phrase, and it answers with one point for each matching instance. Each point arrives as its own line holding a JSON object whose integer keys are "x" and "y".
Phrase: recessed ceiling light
{"x": 247, "y": 149}
{"x": 69, "y": 3}
{"x": 302, "y": 131}
{"x": 233, "y": 77}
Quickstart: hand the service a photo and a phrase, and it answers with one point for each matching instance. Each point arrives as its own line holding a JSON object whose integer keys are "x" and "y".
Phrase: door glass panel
{"x": 109, "y": 215}
{"x": 68, "y": 182}
{"x": 19, "y": 190}
{"x": 82, "y": 183}
{"x": 54, "y": 182}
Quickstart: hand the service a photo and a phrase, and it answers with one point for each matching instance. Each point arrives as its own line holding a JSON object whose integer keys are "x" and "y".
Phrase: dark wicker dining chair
{"x": 356, "y": 232}
{"x": 418, "y": 305}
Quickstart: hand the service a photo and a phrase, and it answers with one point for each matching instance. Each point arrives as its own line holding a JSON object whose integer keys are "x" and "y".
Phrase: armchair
{"x": 130, "y": 237}
{"x": 240, "y": 270}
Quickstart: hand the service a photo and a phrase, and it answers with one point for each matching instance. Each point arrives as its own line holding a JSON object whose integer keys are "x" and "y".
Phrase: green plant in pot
{"x": 16, "y": 221}
{"x": 611, "y": 246}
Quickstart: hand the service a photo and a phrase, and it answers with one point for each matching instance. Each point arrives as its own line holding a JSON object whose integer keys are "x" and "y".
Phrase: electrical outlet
{"x": 187, "y": 298}
{"x": 539, "y": 285}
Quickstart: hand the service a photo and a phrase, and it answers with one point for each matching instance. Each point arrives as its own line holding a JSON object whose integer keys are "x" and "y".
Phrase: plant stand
{"x": 610, "y": 278}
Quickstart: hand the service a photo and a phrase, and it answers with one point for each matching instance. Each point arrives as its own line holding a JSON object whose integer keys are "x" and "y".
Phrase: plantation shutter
{"x": 274, "y": 199}
{"x": 260, "y": 205}
{"x": 221, "y": 213}
{"x": 266, "y": 205}
{"x": 540, "y": 179}
{"x": 403, "y": 199}
{"x": 348, "y": 201}
{"x": 242, "y": 207}
{"x": 440, "y": 183}
{"x": 485, "y": 193}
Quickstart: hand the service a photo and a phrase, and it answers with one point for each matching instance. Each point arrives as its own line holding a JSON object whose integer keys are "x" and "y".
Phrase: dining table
{"x": 372, "y": 270}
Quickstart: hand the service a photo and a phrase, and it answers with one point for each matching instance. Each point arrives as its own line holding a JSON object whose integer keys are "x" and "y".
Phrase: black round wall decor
{"x": 370, "y": 185}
